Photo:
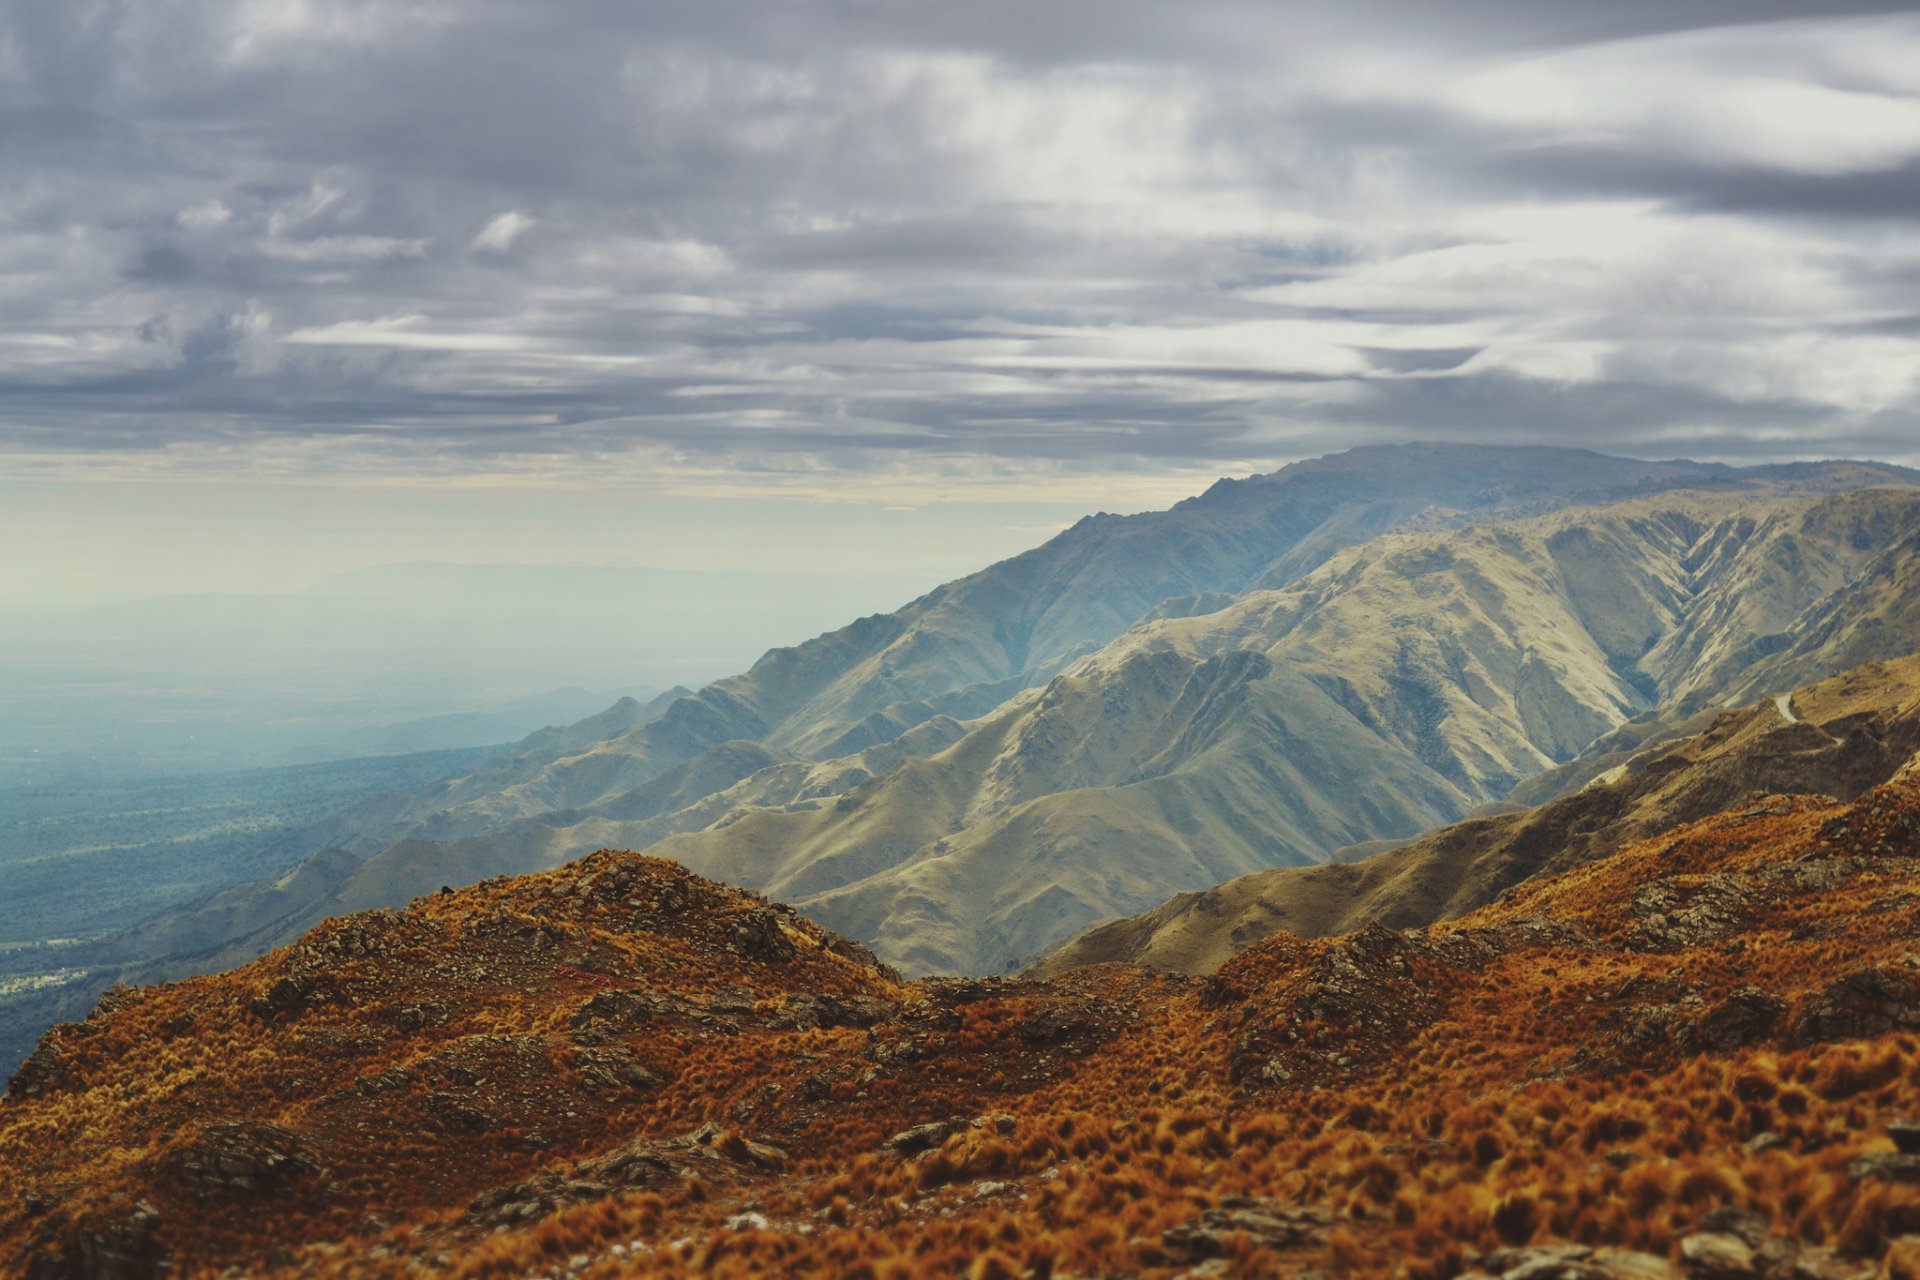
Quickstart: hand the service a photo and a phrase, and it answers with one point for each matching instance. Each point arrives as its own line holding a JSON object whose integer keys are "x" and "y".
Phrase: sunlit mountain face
{"x": 1010, "y": 641}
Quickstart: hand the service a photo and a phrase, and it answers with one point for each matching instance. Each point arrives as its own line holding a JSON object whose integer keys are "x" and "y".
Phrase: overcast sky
{"x": 282, "y": 274}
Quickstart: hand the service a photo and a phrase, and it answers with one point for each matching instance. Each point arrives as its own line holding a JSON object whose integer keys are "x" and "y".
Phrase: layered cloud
{"x": 812, "y": 241}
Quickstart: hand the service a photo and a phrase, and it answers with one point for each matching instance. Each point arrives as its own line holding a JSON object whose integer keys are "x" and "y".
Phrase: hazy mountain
{"x": 963, "y": 648}
{"x": 1838, "y": 738}
{"x": 1399, "y": 686}
{"x": 968, "y": 781}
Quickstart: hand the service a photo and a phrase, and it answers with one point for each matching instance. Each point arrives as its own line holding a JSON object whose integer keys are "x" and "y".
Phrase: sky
{"x": 290, "y": 287}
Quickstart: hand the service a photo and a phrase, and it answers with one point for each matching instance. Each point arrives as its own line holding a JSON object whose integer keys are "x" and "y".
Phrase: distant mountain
{"x": 1345, "y": 651}
{"x": 1401, "y": 685}
{"x": 1839, "y": 738}
{"x": 964, "y": 648}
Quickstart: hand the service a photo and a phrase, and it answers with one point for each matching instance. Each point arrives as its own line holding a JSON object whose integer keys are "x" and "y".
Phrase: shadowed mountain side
{"x": 1854, "y": 732}
{"x": 966, "y": 646}
{"x": 1401, "y": 685}
{"x": 1874, "y": 616}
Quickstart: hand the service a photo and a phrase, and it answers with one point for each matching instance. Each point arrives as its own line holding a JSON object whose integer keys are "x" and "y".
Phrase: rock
{"x": 242, "y": 1157}
{"x": 1575, "y": 1262}
{"x": 1862, "y": 1005}
{"x": 615, "y": 1068}
{"x": 287, "y": 998}
{"x": 923, "y": 1137}
{"x": 1886, "y": 1166}
{"x": 43, "y": 1072}
{"x": 1072, "y": 1020}
{"x": 806, "y": 1010}
{"x": 1670, "y": 915}
{"x": 123, "y": 1249}
{"x": 637, "y": 1164}
{"x": 451, "y": 1112}
{"x": 748, "y": 1221}
{"x": 1267, "y": 1223}
{"x": 1747, "y": 1016}
{"x": 1905, "y": 1135}
{"x": 1712, "y": 1255}
{"x": 610, "y": 1011}
{"x": 757, "y": 935}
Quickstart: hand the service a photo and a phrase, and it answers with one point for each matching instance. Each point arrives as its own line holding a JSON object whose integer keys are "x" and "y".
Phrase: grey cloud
{"x": 859, "y": 232}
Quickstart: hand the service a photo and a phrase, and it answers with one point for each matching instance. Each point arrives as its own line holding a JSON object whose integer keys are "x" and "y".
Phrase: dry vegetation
{"x": 1693, "y": 1049}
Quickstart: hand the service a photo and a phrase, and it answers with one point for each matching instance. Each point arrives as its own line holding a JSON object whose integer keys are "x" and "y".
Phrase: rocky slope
{"x": 1839, "y": 737}
{"x": 1694, "y": 1057}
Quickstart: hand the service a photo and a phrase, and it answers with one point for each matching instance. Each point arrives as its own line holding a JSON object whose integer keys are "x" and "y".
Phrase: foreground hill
{"x": 1695, "y": 1057}
{"x": 1838, "y": 737}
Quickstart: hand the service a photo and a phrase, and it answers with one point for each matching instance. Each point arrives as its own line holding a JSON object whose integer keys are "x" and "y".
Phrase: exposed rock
{"x": 757, "y": 935}
{"x": 1715, "y": 1255}
{"x": 637, "y": 1164}
{"x": 1670, "y": 914}
{"x": 288, "y": 997}
{"x": 120, "y": 1249}
{"x": 807, "y": 1010}
{"x": 1747, "y": 1016}
{"x": 43, "y": 1072}
{"x": 924, "y": 1137}
{"x": 1861, "y": 1005}
{"x": 1886, "y": 1166}
{"x": 1266, "y": 1223}
{"x": 1360, "y": 999}
{"x": 1069, "y": 1020}
{"x": 615, "y": 1067}
{"x": 242, "y": 1157}
{"x": 1574, "y": 1262}
{"x": 449, "y": 1111}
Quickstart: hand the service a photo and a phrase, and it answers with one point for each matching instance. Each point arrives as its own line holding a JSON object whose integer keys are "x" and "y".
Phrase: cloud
{"x": 807, "y": 239}
{"x": 501, "y": 231}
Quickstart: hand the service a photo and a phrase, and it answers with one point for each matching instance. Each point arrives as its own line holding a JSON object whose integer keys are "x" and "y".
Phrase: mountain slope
{"x": 1847, "y": 734}
{"x": 1091, "y": 815}
{"x": 965, "y": 647}
{"x": 619, "y": 1068}
{"x": 1397, "y": 687}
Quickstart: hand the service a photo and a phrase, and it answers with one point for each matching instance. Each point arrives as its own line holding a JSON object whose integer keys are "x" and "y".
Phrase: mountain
{"x": 1401, "y": 685}
{"x": 1689, "y": 1058}
{"x": 1398, "y": 686}
{"x": 964, "y": 648}
{"x": 1839, "y": 737}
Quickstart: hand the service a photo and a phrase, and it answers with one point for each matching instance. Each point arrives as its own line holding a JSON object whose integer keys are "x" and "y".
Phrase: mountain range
{"x": 1689, "y": 1058}
{"x": 1355, "y": 649}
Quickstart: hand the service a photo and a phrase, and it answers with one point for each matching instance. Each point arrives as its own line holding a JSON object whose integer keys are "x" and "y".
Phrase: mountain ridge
{"x": 1852, "y": 732}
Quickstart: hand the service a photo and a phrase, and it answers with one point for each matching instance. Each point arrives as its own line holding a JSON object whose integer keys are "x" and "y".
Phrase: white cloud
{"x": 404, "y": 331}
{"x": 344, "y": 249}
{"x": 501, "y": 231}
